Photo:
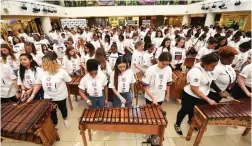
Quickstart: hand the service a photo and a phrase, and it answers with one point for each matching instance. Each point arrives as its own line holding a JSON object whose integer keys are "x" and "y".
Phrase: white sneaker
{"x": 66, "y": 123}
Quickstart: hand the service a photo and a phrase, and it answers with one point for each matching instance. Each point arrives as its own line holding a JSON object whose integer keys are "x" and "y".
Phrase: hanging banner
{"x": 145, "y": 22}
{"x": 73, "y": 23}
{"x": 132, "y": 22}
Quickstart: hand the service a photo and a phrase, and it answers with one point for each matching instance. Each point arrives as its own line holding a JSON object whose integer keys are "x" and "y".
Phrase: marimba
{"x": 189, "y": 61}
{"x": 176, "y": 89}
{"x": 73, "y": 88}
{"x": 138, "y": 87}
{"x": 226, "y": 113}
{"x": 29, "y": 122}
{"x": 147, "y": 119}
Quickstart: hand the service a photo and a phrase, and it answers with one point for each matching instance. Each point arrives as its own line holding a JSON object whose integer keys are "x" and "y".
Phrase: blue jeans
{"x": 97, "y": 102}
{"x": 127, "y": 96}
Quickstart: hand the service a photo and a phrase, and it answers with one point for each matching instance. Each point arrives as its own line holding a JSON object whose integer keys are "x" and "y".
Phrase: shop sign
{"x": 145, "y": 22}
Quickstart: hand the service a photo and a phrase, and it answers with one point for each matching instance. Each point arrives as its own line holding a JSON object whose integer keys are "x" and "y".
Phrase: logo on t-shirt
{"x": 161, "y": 76}
{"x": 27, "y": 77}
{"x": 48, "y": 78}
{"x": 94, "y": 84}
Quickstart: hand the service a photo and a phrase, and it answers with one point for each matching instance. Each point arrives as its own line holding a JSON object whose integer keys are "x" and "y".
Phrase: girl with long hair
{"x": 30, "y": 48}
{"x": 122, "y": 82}
{"x": 164, "y": 47}
{"x": 53, "y": 79}
{"x": 18, "y": 45}
{"x": 178, "y": 54}
{"x": 28, "y": 73}
{"x": 158, "y": 38}
{"x": 90, "y": 54}
{"x": 72, "y": 61}
{"x": 10, "y": 57}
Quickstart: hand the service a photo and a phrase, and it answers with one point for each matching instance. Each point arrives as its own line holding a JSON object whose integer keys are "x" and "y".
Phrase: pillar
{"x": 210, "y": 19}
{"x": 185, "y": 20}
{"x": 62, "y": 3}
{"x": 46, "y": 24}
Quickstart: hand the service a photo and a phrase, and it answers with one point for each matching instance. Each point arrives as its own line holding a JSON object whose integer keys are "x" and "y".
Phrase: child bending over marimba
{"x": 94, "y": 84}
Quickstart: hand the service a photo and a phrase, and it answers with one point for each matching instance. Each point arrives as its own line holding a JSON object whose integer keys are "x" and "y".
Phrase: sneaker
{"x": 178, "y": 130}
{"x": 66, "y": 123}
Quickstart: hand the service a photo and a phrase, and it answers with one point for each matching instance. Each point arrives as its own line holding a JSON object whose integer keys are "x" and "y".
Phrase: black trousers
{"x": 63, "y": 109}
{"x": 10, "y": 99}
{"x": 238, "y": 93}
{"x": 214, "y": 96}
{"x": 188, "y": 102}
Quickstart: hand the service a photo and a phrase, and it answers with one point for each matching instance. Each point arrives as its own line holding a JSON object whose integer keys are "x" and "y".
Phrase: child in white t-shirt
{"x": 95, "y": 85}
{"x": 148, "y": 57}
{"x": 122, "y": 81}
{"x": 137, "y": 58}
{"x": 71, "y": 61}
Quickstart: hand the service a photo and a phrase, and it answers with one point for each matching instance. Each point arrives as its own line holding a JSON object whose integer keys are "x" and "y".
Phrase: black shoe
{"x": 178, "y": 130}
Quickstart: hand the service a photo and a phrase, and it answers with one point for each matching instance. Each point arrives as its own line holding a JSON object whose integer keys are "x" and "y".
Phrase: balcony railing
{"x": 87, "y": 3}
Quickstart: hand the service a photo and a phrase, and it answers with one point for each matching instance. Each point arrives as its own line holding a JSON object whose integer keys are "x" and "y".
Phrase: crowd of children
{"x": 37, "y": 66}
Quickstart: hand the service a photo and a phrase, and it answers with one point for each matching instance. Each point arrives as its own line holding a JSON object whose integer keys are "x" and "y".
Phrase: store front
{"x": 242, "y": 18}
{"x": 173, "y": 20}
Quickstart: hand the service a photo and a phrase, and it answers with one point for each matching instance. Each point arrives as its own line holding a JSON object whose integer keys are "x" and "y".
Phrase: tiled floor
{"x": 214, "y": 136}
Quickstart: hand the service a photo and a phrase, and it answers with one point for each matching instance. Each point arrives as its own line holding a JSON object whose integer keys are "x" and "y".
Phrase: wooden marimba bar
{"x": 147, "y": 119}
{"x": 174, "y": 92}
{"x": 227, "y": 113}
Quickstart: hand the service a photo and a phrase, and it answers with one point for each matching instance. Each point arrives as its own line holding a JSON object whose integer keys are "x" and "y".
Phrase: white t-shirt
{"x": 137, "y": 58}
{"x": 112, "y": 59}
{"x": 240, "y": 59}
{"x": 94, "y": 86}
{"x": 38, "y": 46}
{"x": 234, "y": 45}
{"x": 107, "y": 71}
{"x": 223, "y": 75}
{"x": 59, "y": 49}
{"x": 54, "y": 85}
{"x": 106, "y": 46}
{"x": 198, "y": 76}
{"x": 7, "y": 77}
{"x": 30, "y": 39}
{"x": 199, "y": 44}
{"x": 19, "y": 48}
{"x": 159, "y": 51}
{"x": 96, "y": 44}
{"x": 157, "y": 80}
{"x": 14, "y": 64}
{"x": 147, "y": 59}
{"x": 10, "y": 40}
{"x": 178, "y": 55}
{"x": 157, "y": 42}
{"x": 45, "y": 41}
{"x": 124, "y": 81}
{"x": 203, "y": 51}
{"x": 71, "y": 65}
{"x": 38, "y": 57}
{"x": 246, "y": 73}
{"x": 85, "y": 58}
{"x": 23, "y": 35}
{"x": 30, "y": 77}
{"x": 121, "y": 46}
{"x": 188, "y": 44}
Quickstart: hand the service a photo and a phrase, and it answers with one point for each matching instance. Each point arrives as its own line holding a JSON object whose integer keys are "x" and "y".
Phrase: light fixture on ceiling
{"x": 213, "y": 6}
{"x": 222, "y": 5}
{"x": 237, "y": 3}
{"x": 23, "y": 7}
{"x": 203, "y": 7}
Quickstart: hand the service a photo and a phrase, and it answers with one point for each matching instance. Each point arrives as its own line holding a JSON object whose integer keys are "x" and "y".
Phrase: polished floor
{"x": 214, "y": 136}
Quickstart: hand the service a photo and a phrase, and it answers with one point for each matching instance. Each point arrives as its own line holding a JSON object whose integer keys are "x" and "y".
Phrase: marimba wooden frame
{"x": 129, "y": 128}
{"x": 200, "y": 121}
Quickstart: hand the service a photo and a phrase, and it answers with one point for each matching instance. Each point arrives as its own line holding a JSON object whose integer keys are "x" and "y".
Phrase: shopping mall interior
{"x": 44, "y": 17}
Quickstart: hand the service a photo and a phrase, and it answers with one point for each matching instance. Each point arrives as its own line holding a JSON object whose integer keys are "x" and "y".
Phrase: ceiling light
{"x": 237, "y": 3}
{"x": 23, "y": 7}
{"x": 213, "y": 6}
{"x": 222, "y": 5}
{"x": 203, "y": 7}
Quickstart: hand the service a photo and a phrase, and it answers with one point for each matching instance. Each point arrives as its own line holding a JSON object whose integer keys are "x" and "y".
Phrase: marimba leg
{"x": 76, "y": 98}
{"x": 200, "y": 135}
{"x": 89, "y": 134}
{"x": 161, "y": 135}
{"x": 136, "y": 93}
{"x": 82, "y": 132}
{"x": 246, "y": 131}
{"x": 190, "y": 131}
{"x": 70, "y": 101}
